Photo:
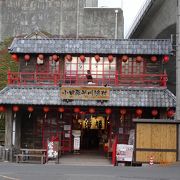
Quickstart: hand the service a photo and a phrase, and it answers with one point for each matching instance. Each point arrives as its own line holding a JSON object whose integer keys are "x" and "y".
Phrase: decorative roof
{"x": 91, "y": 46}
{"x": 132, "y": 97}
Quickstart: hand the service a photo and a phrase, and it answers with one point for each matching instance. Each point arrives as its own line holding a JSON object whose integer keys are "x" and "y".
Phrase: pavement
{"x": 14, "y": 171}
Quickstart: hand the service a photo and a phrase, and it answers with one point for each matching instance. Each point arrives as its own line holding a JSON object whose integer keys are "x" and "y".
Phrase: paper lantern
{"x": 165, "y": 58}
{"x": 139, "y": 59}
{"x": 68, "y": 57}
{"x": 110, "y": 58}
{"x": 15, "y": 108}
{"x": 97, "y": 58}
{"x": 82, "y": 58}
{"x": 14, "y": 57}
{"x": 61, "y": 109}
{"x": 139, "y": 112}
{"x": 170, "y": 113}
{"x": 76, "y": 109}
{"x": 92, "y": 110}
{"x": 41, "y": 56}
{"x": 2, "y": 109}
{"x": 154, "y": 112}
{"x": 55, "y": 57}
{"x": 123, "y": 111}
{"x": 30, "y": 109}
{"x": 124, "y": 58}
{"x": 108, "y": 111}
{"x": 154, "y": 59}
{"x": 26, "y": 57}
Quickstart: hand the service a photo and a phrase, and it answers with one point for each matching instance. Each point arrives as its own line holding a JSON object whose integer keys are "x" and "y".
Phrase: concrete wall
{"x": 58, "y": 17}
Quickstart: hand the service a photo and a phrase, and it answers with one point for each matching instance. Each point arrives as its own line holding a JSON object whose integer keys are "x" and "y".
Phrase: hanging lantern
{"x": 2, "y": 110}
{"x": 97, "y": 58}
{"x": 27, "y": 58}
{"x": 108, "y": 112}
{"x": 139, "y": 59}
{"x": 61, "y": 110}
{"x": 15, "y": 110}
{"x": 110, "y": 58}
{"x": 46, "y": 110}
{"x": 41, "y": 56}
{"x": 122, "y": 114}
{"x": 82, "y": 58}
{"x": 68, "y": 57}
{"x": 77, "y": 110}
{"x": 30, "y": 110}
{"x": 139, "y": 112}
{"x": 165, "y": 58}
{"x": 154, "y": 59}
{"x": 124, "y": 58}
{"x": 154, "y": 112}
{"x": 170, "y": 113}
{"x": 14, "y": 57}
{"x": 91, "y": 110}
{"x": 55, "y": 57}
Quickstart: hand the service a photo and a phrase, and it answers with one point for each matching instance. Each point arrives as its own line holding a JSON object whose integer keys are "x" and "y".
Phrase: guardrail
{"x": 113, "y": 79}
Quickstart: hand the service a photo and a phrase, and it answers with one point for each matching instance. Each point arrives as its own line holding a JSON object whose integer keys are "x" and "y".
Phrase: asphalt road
{"x": 13, "y": 171}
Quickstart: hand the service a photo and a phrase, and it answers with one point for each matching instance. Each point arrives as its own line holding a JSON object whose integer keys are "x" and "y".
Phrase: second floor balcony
{"x": 98, "y": 79}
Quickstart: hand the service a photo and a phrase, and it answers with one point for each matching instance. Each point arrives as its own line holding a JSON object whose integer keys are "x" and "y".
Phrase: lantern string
{"x": 14, "y": 115}
{"x": 45, "y": 115}
{"x": 26, "y": 63}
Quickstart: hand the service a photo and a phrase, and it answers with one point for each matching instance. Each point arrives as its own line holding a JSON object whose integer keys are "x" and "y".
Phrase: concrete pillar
{"x": 8, "y": 128}
{"x": 178, "y": 72}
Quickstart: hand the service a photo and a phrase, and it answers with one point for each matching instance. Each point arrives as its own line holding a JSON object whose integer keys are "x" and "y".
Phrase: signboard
{"x": 124, "y": 152}
{"x": 53, "y": 148}
{"x": 77, "y": 143}
{"x": 85, "y": 93}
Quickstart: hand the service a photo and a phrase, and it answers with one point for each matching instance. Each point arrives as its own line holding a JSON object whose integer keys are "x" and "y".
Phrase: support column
{"x": 8, "y": 128}
{"x": 178, "y": 72}
{"x": 17, "y": 144}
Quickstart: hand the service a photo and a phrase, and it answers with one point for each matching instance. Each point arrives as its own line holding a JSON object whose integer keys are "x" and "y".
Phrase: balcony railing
{"x": 56, "y": 79}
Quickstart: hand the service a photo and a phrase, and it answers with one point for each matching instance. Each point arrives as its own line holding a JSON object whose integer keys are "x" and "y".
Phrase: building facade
{"x": 52, "y": 95}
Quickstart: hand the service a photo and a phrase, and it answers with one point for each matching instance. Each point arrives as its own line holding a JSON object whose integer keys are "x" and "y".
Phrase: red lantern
{"x": 30, "y": 109}
{"x": 55, "y": 58}
{"x": 14, "y": 57}
{"x": 165, "y": 58}
{"x": 68, "y": 57}
{"x": 154, "y": 59}
{"x": 40, "y": 56}
{"x": 108, "y": 111}
{"x": 139, "y": 59}
{"x": 139, "y": 112}
{"x": 15, "y": 108}
{"x": 154, "y": 112}
{"x": 170, "y": 113}
{"x": 82, "y": 58}
{"x": 76, "y": 109}
{"x": 97, "y": 58}
{"x": 124, "y": 58}
{"x": 91, "y": 110}
{"x": 110, "y": 58}
{"x": 46, "y": 109}
{"x": 2, "y": 109}
{"x": 123, "y": 111}
{"x": 61, "y": 109}
{"x": 27, "y": 57}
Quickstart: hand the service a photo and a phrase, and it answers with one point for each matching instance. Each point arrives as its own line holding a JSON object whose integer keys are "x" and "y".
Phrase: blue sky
{"x": 130, "y": 9}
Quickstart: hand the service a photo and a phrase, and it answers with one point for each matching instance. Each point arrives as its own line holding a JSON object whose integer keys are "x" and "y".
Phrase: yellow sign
{"x": 85, "y": 93}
